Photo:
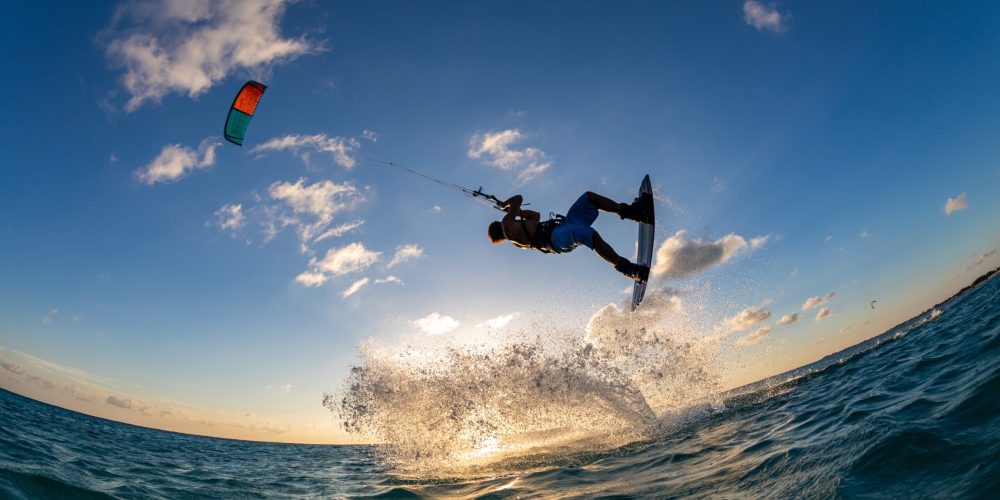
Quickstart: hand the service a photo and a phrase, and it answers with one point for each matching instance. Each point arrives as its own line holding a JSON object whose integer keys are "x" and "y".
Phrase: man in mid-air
{"x": 525, "y": 229}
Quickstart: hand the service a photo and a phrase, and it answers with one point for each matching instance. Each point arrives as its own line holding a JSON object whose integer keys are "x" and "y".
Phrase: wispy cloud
{"x": 131, "y": 404}
{"x": 812, "y": 302}
{"x": 765, "y": 17}
{"x": 230, "y": 217}
{"x": 499, "y": 321}
{"x": 680, "y": 256}
{"x": 351, "y": 290}
{"x": 498, "y": 150}
{"x": 49, "y": 316}
{"x": 338, "y": 231}
{"x": 823, "y": 313}
{"x": 405, "y": 253}
{"x": 752, "y": 338}
{"x": 436, "y": 324}
{"x": 388, "y": 279}
{"x": 176, "y": 161}
{"x": 175, "y": 46}
{"x": 745, "y": 319}
{"x": 15, "y": 368}
{"x": 961, "y": 202}
{"x": 310, "y": 209}
{"x": 856, "y": 325}
{"x": 340, "y": 149}
{"x": 337, "y": 262}
{"x": 787, "y": 319}
{"x": 982, "y": 257}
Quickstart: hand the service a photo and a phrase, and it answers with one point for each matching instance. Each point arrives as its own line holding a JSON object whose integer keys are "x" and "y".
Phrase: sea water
{"x": 913, "y": 412}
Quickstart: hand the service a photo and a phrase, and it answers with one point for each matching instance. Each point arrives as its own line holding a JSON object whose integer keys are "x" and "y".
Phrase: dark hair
{"x": 496, "y": 232}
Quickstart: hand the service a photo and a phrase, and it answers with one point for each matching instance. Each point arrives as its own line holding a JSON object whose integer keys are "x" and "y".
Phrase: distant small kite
{"x": 873, "y": 304}
{"x": 242, "y": 110}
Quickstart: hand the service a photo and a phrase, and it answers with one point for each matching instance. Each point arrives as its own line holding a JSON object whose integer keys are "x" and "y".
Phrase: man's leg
{"x": 603, "y": 203}
{"x": 604, "y": 250}
{"x": 633, "y": 211}
{"x": 620, "y": 263}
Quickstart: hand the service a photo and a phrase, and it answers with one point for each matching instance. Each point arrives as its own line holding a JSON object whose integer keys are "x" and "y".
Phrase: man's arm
{"x": 513, "y": 207}
{"x": 530, "y": 215}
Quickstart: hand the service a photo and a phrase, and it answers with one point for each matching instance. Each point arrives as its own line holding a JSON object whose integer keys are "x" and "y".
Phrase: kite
{"x": 242, "y": 110}
{"x": 873, "y": 304}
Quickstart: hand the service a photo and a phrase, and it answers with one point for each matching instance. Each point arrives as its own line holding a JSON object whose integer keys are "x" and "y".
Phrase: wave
{"x": 26, "y": 485}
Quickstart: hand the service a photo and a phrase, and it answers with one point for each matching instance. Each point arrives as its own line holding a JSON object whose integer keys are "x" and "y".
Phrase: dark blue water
{"x": 914, "y": 412}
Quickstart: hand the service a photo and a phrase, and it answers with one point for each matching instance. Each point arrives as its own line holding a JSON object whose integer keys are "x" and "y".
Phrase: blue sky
{"x": 805, "y": 150}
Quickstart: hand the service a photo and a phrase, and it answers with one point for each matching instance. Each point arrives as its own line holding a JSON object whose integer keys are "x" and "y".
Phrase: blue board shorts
{"x": 575, "y": 229}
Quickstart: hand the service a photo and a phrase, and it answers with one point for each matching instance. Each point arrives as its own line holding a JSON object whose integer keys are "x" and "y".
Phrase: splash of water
{"x": 466, "y": 406}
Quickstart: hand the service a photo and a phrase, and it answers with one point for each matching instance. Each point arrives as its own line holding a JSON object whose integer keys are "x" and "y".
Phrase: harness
{"x": 542, "y": 241}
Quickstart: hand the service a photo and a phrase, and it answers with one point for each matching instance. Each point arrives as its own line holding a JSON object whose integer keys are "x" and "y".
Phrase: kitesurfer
{"x": 525, "y": 229}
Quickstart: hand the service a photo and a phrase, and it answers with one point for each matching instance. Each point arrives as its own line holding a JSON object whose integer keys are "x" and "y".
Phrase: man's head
{"x": 496, "y": 232}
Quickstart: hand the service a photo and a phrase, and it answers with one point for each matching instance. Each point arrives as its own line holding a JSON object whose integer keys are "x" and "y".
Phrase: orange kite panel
{"x": 248, "y": 97}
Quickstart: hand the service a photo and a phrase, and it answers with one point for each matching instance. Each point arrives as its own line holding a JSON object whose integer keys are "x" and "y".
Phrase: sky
{"x": 807, "y": 158}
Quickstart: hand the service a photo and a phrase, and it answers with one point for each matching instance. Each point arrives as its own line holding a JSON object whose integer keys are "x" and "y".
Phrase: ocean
{"x": 911, "y": 413}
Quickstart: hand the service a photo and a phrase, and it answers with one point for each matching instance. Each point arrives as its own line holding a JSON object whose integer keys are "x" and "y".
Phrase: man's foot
{"x": 632, "y": 271}
{"x": 638, "y": 210}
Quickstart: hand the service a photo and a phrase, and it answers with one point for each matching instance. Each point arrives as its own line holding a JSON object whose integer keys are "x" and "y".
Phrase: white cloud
{"x": 176, "y": 161}
{"x": 497, "y": 149}
{"x": 187, "y": 47}
{"x": 764, "y": 17}
{"x": 752, "y": 338}
{"x": 679, "y": 256}
{"x": 436, "y": 324}
{"x": 812, "y": 302}
{"x": 788, "y": 319}
{"x": 340, "y": 149}
{"x": 351, "y": 290}
{"x": 405, "y": 253}
{"x": 337, "y": 262}
{"x": 956, "y": 204}
{"x": 388, "y": 279}
{"x": 745, "y": 319}
{"x": 759, "y": 241}
{"x": 312, "y": 207}
{"x": 824, "y": 312}
{"x": 230, "y": 217}
{"x": 50, "y": 316}
{"x": 499, "y": 321}
{"x": 310, "y": 278}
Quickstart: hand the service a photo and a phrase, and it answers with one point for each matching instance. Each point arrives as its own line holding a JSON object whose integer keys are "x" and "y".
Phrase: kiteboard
{"x": 644, "y": 249}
